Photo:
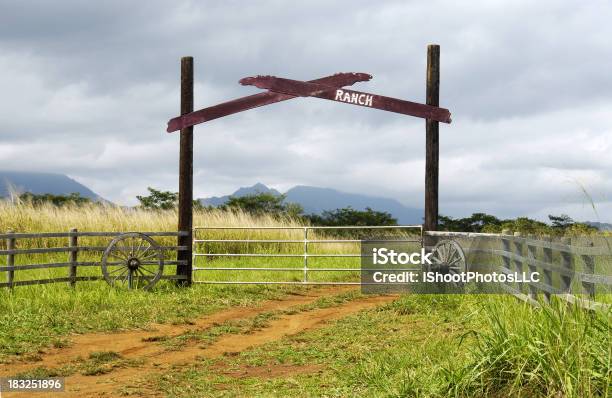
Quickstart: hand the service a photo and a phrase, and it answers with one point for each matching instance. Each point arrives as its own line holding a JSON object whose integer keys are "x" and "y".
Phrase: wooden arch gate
{"x": 280, "y": 89}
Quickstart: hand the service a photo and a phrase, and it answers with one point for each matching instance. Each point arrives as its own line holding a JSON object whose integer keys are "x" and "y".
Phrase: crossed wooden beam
{"x": 329, "y": 87}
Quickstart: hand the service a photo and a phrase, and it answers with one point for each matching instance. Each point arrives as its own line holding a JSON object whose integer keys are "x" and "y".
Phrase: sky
{"x": 86, "y": 89}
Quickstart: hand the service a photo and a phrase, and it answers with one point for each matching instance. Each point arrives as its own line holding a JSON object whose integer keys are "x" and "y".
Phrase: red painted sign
{"x": 253, "y": 101}
{"x": 314, "y": 89}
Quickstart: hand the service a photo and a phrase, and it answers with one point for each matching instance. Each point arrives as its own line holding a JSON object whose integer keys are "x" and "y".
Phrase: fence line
{"x": 530, "y": 254}
{"x": 74, "y": 232}
{"x": 73, "y": 249}
{"x": 572, "y": 263}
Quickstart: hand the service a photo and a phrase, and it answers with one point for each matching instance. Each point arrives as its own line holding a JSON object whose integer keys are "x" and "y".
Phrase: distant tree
{"x": 477, "y": 222}
{"x": 560, "y": 222}
{"x": 579, "y": 228}
{"x": 526, "y": 225}
{"x": 263, "y": 203}
{"x": 163, "y": 200}
{"x": 73, "y": 198}
{"x": 447, "y": 223}
{"x": 158, "y": 200}
{"x": 565, "y": 225}
{"x": 294, "y": 210}
{"x": 198, "y": 206}
{"x": 350, "y": 216}
{"x": 481, "y": 222}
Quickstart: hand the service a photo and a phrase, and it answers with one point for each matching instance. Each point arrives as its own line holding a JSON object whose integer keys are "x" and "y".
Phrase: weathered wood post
{"x": 73, "y": 256}
{"x": 547, "y": 257}
{"x": 589, "y": 269}
{"x": 185, "y": 200}
{"x": 507, "y": 264}
{"x": 432, "y": 140}
{"x": 10, "y": 259}
{"x": 567, "y": 262}
{"x": 518, "y": 263}
{"x": 533, "y": 268}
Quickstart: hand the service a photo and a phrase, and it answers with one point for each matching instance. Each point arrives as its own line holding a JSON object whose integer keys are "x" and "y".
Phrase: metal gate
{"x": 289, "y": 255}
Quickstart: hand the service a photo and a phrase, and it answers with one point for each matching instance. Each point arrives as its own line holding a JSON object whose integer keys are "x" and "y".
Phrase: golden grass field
{"x": 337, "y": 345}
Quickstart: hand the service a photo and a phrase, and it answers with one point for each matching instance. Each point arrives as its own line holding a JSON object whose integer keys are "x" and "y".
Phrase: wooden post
{"x": 518, "y": 264}
{"x": 185, "y": 204}
{"x": 532, "y": 255}
{"x": 10, "y": 259}
{"x": 508, "y": 251}
{"x": 589, "y": 268}
{"x": 432, "y": 139}
{"x": 567, "y": 262}
{"x": 73, "y": 256}
{"x": 547, "y": 258}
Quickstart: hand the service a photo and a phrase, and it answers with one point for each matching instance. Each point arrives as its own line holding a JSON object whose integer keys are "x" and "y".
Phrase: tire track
{"x": 136, "y": 343}
{"x": 158, "y": 361}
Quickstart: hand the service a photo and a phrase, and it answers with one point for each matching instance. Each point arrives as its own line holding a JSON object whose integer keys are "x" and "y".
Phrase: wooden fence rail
{"x": 567, "y": 266}
{"x": 72, "y": 249}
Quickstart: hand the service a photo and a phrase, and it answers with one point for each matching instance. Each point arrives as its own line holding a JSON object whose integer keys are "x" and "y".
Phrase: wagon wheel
{"x": 448, "y": 258}
{"x": 132, "y": 261}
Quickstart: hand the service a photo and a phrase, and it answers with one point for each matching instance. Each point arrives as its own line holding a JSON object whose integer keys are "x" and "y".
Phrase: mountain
{"x": 243, "y": 191}
{"x": 40, "y": 183}
{"x": 602, "y": 226}
{"x": 316, "y": 200}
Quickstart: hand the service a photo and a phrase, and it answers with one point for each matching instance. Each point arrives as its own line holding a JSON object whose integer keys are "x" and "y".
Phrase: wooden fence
{"x": 567, "y": 266}
{"x": 72, "y": 249}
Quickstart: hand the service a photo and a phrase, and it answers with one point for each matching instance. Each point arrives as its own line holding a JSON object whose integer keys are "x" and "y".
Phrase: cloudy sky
{"x": 87, "y": 89}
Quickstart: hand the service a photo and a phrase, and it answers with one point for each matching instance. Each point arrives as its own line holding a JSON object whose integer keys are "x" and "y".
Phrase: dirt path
{"x": 153, "y": 358}
{"x": 139, "y": 342}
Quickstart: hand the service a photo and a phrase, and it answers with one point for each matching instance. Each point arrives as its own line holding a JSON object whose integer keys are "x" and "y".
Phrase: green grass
{"x": 423, "y": 346}
{"x": 102, "y": 362}
{"x": 418, "y": 346}
{"x": 32, "y": 318}
{"x": 459, "y": 346}
{"x": 98, "y": 363}
{"x": 249, "y": 325}
{"x": 557, "y": 350}
{"x": 397, "y": 350}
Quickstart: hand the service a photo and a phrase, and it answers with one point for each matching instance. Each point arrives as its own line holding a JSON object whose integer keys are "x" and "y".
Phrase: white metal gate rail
{"x": 418, "y": 238}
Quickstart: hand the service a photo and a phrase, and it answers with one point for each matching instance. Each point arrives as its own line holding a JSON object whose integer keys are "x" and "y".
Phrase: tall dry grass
{"x": 27, "y": 218}
{"x": 93, "y": 217}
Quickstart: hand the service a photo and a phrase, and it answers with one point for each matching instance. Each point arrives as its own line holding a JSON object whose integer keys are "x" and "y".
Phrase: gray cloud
{"x": 87, "y": 89}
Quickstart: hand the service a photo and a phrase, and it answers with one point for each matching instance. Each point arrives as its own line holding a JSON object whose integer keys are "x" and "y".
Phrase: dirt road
{"x": 145, "y": 356}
